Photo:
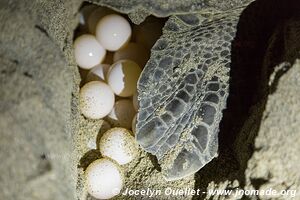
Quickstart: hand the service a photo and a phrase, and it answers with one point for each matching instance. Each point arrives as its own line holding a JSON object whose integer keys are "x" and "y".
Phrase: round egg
{"x": 104, "y": 178}
{"x": 119, "y": 145}
{"x": 122, "y": 113}
{"x": 135, "y": 101}
{"x": 123, "y": 76}
{"x": 88, "y": 51}
{"x": 97, "y": 73}
{"x": 133, "y": 124}
{"x": 96, "y": 100}
{"x": 113, "y": 32}
{"x": 133, "y": 51}
{"x": 95, "y": 17}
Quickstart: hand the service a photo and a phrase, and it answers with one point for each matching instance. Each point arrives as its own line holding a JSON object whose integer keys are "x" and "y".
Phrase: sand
{"x": 46, "y": 144}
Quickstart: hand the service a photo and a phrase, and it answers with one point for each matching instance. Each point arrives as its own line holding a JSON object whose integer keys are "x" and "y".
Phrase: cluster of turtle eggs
{"x": 114, "y": 56}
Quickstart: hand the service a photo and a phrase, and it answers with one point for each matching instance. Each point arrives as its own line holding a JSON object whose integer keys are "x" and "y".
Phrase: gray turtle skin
{"x": 183, "y": 88}
{"x": 183, "y": 91}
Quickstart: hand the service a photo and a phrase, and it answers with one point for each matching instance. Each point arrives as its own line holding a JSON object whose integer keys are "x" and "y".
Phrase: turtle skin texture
{"x": 183, "y": 88}
{"x": 182, "y": 92}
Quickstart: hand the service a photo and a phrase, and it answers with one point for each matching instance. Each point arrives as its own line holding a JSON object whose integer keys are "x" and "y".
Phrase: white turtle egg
{"x": 88, "y": 51}
{"x": 113, "y": 32}
{"x": 97, "y": 73}
{"x": 95, "y": 16}
{"x": 133, "y": 124}
{"x": 122, "y": 113}
{"x": 96, "y": 100}
{"x": 119, "y": 145}
{"x": 104, "y": 178}
{"x": 133, "y": 51}
{"x": 135, "y": 101}
{"x": 123, "y": 76}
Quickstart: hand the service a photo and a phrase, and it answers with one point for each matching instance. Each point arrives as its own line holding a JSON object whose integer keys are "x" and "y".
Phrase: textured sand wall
{"x": 35, "y": 101}
{"x": 43, "y": 137}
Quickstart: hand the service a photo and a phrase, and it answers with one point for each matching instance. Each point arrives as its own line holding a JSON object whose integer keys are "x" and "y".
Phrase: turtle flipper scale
{"x": 183, "y": 90}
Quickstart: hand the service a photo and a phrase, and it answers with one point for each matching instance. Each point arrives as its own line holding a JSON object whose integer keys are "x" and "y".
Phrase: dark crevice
{"x": 257, "y": 182}
{"x": 66, "y": 42}
{"x": 88, "y": 158}
{"x": 27, "y": 74}
{"x": 41, "y": 29}
{"x": 15, "y": 61}
{"x": 154, "y": 162}
{"x": 43, "y": 157}
{"x": 263, "y": 41}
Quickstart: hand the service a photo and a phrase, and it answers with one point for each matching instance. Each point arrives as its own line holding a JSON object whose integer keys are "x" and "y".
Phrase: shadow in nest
{"x": 266, "y": 36}
{"x": 88, "y": 158}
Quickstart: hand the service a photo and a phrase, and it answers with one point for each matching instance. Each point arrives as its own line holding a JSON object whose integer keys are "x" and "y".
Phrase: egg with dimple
{"x": 113, "y": 32}
{"x": 133, "y": 51}
{"x": 122, "y": 113}
{"x": 88, "y": 51}
{"x": 104, "y": 178}
{"x": 119, "y": 145}
{"x": 96, "y": 100}
{"x": 123, "y": 76}
{"x": 97, "y": 73}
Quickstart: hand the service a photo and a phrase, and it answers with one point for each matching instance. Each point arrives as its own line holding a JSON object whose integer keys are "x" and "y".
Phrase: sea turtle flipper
{"x": 183, "y": 90}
